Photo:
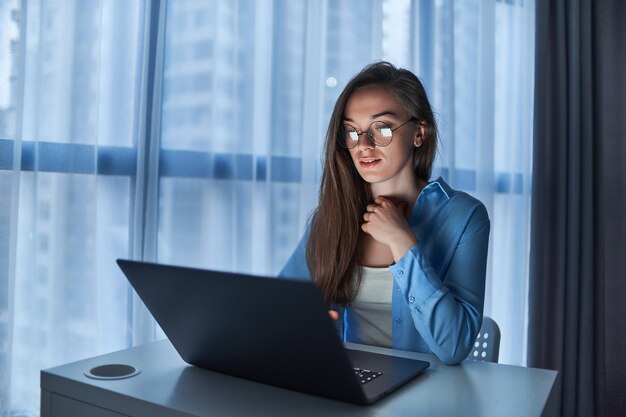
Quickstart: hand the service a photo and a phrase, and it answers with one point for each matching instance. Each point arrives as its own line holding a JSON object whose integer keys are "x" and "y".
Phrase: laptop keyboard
{"x": 365, "y": 375}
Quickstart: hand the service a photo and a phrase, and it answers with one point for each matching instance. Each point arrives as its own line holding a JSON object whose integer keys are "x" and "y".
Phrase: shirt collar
{"x": 439, "y": 186}
{"x": 434, "y": 194}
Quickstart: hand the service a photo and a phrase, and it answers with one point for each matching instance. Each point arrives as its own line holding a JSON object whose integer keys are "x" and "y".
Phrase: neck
{"x": 406, "y": 190}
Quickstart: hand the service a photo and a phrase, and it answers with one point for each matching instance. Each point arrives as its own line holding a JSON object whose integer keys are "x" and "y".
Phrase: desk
{"x": 167, "y": 386}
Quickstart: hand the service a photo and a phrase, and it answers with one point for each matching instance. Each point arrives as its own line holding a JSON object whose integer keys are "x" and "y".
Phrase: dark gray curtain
{"x": 577, "y": 296}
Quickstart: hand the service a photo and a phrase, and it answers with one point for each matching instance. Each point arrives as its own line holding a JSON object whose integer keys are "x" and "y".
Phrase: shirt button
{"x": 411, "y": 299}
{"x": 400, "y": 273}
{"x": 397, "y": 288}
{"x": 398, "y": 321}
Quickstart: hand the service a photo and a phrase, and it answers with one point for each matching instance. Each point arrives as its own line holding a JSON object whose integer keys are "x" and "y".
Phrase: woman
{"x": 400, "y": 258}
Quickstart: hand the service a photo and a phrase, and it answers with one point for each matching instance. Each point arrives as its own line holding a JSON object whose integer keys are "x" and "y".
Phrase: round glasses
{"x": 379, "y": 133}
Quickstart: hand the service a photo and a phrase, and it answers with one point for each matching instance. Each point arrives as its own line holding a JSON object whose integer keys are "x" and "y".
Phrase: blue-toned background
{"x": 190, "y": 132}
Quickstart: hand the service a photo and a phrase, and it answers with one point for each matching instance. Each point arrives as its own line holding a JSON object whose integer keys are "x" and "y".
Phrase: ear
{"x": 420, "y": 135}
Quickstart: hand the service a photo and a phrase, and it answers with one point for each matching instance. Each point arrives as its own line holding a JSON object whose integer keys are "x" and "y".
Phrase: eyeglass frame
{"x": 342, "y": 141}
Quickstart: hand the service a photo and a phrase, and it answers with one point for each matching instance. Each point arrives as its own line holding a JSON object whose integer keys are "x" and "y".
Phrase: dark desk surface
{"x": 167, "y": 386}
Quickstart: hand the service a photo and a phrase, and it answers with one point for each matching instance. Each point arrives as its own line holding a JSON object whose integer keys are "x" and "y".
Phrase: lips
{"x": 368, "y": 162}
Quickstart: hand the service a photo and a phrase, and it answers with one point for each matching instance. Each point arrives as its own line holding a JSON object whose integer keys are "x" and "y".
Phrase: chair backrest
{"x": 487, "y": 345}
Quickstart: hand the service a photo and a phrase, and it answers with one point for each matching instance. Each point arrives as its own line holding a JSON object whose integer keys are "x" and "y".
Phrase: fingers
{"x": 380, "y": 200}
{"x": 383, "y": 210}
{"x": 371, "y": 208}
{"x": 333, "y": 314}
{"x": 381, "y": 203}
{"x": 374, "y": 209}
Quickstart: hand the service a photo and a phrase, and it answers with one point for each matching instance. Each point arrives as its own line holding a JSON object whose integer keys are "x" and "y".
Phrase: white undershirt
{"x": 371, "y": 309}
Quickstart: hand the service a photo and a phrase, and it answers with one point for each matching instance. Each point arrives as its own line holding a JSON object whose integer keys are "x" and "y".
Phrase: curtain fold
{"x": 68, "y": 107}
{"x": 577, "y": 239}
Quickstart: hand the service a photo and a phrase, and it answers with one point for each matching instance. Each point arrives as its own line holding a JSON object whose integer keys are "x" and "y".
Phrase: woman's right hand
{"x": 333, "y": 314}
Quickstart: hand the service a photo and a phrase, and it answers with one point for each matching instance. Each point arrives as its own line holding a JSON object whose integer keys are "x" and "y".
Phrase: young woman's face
{"x": 381, "y": 164}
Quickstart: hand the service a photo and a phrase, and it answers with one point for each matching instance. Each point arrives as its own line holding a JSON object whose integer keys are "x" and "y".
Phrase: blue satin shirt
{"x": 439, "y": 284}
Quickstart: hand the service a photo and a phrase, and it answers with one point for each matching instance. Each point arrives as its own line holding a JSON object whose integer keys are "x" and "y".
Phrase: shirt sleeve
{"x": 447, "y": 310}
{"x": 296, "y": 266}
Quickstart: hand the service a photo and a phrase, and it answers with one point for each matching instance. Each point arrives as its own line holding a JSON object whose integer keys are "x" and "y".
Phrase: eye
{"x": 349, "y": 134}
{"x": 381, "y": 129}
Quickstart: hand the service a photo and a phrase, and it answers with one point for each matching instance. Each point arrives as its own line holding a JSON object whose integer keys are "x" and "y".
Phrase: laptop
{"x": 271, "y": 330}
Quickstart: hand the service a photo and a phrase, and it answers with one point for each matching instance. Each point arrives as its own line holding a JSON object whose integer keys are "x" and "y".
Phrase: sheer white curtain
{"x": 69, "y": 104}
{"x": 190, "y": 132}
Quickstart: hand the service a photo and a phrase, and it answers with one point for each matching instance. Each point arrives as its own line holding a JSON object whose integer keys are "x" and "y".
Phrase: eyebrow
{"x": 375, "y": 116}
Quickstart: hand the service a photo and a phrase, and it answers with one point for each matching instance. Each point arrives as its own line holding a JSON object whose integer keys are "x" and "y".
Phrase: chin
{"x": 369, "y": 178}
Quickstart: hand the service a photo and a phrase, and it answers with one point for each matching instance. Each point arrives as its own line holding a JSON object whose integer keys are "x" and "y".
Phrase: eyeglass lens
{"x": 378, "y": 132}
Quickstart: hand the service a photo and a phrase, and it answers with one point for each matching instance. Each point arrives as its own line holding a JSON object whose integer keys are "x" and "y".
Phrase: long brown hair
{"x": 332, "y": 254}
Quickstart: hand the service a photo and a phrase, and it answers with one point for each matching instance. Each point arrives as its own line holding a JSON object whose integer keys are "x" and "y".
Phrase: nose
{"x": 365, "y": 142}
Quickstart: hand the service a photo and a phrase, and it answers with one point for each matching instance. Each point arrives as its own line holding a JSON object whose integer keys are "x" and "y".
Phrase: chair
{"x": 487, "y": 345}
